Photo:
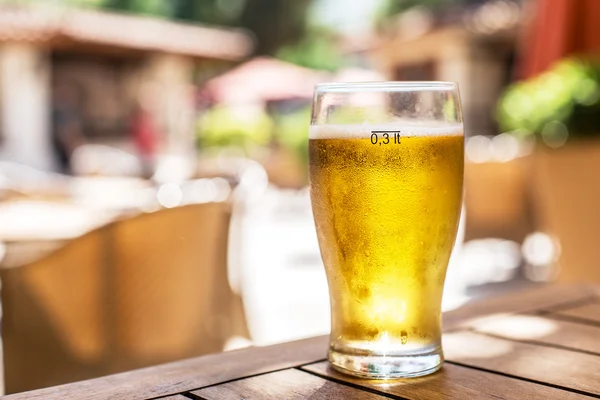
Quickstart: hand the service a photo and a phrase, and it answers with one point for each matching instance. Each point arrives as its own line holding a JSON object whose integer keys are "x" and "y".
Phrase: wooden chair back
{"x": 135, "y": 293}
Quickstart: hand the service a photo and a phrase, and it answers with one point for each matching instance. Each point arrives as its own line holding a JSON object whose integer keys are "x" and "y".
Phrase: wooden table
{"x": 540, "y": 344}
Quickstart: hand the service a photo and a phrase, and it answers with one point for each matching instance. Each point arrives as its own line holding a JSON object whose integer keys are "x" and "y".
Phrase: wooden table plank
{"x": 542, "y": 330}
{"x": 589, "y": 312}
{"x": 564, "y": 368}
{"x": 287, "y": 384}
{"x": 454, "y": 382}
{"x": 186, "y": 375}
{"x": 523, "y": 363}
{"x": 542, "y": 297}
{"x": 176, "y": 397}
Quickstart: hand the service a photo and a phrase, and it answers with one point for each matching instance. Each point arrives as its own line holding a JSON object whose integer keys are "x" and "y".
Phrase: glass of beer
{"x": 386, "y": 181}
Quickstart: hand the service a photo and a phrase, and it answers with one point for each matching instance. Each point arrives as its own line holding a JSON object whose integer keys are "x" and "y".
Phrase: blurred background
{"x": 153, "y": 164}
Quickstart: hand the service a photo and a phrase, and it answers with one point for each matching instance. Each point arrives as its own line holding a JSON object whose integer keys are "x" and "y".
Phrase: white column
{"x": 25, "y": 105}
{"x": 171, "y": 77}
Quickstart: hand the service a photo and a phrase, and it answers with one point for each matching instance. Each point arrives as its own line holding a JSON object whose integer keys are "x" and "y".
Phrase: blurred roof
{"x": 55, "y": 27}
{"x": 263, "y": 79}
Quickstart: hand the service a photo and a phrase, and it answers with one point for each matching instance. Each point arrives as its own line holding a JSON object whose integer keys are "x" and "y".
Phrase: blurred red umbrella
{"x": 261, "y": 80}
{"x": 560, "y": 28}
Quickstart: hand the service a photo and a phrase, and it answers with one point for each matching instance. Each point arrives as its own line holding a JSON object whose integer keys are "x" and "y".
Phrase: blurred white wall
{"x": 25, "y": 105}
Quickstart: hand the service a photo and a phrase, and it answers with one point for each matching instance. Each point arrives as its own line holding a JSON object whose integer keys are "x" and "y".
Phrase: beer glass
{"x": 386, "y": 176}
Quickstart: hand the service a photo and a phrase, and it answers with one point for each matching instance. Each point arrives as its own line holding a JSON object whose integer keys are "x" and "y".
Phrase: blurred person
{"x": 67, "y": 123}
{"x": 145, "y": 133}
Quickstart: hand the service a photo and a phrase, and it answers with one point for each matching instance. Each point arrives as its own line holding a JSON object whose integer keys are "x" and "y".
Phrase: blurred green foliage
{"x": 222, "y": 126}
{"x": 393, "y": 7}
{"x": 348, "y": 115}
{"x": 450, "y": 110}
{"x": 318, "y": 50}
{"x": 291, "y": 131}
{"x": 275, "y": 23}
{"x": 565, "y": 98}
{"x": 222, "y": 12}
{"x": 148, "y": 7}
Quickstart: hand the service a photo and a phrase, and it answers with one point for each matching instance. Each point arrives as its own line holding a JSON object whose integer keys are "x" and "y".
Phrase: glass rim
{"x": 386, "y": 86}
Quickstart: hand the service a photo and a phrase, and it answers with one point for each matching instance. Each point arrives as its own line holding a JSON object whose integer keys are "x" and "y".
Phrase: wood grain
{"x": 176, "y": 397}
{"x": 454, "y": 382}
{"x": 565, "y": 368}
{"x": 481, "y": 366}
{"x": 588, "y": 312}
{"x": 287, "y": 384}
{"x": 186, "y": 375}
{"x": 542, "y": 330}
{"x": 542, "y": 297}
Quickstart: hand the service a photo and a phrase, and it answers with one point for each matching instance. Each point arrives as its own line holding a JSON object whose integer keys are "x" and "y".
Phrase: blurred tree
{"x": 222, "y": 12}
{"x": 318, "y": 49}
{"x": 83, "y": 3}
{"x": 393, "y": 7}
{"x": 274, "y": 22}
{"x": 150, "y": 7}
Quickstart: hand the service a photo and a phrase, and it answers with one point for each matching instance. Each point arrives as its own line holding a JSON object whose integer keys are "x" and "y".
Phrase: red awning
{"x": 560, "y": 28}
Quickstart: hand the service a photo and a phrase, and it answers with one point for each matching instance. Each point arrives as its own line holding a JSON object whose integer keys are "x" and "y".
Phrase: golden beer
{"x": 386, "y": 207}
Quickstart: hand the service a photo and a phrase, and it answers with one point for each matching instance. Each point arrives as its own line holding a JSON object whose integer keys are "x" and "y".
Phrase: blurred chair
{"x": 134, "y": 293}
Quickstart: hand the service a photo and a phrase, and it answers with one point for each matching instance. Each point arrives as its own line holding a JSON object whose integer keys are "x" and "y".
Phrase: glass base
{"x": 386, "y": 366}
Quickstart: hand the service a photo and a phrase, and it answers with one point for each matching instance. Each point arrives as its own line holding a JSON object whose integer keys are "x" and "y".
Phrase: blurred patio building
{"x": 110, "y": 60}
{"x": 473, "y": 43}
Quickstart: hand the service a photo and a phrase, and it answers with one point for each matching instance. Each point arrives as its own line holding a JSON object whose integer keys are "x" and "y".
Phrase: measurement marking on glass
{"x": 385, "y": 137}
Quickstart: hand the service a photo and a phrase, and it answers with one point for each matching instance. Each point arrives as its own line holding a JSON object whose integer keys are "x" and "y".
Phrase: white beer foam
{"x": 365, "y": 130}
